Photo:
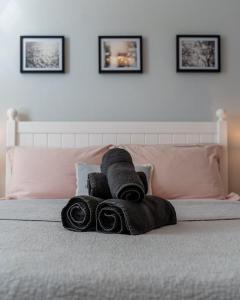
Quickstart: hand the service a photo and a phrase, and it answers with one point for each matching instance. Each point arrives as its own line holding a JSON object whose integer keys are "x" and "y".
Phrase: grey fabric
{"x": 186, "y": 210}
{"x": 124, "y": 182}
{"x": 79, "y": 213}
{"x": 127, "y": 217}
{"x": 82, "y": 171}
{"x": 194, "y": 260}
{"x": 206, "y": 209}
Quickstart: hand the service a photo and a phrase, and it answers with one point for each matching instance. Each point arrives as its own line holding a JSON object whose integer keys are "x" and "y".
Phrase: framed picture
{"x": 120, "y": 54}
{"x": 198, "y": 53}
{"x": 42, "y": 54}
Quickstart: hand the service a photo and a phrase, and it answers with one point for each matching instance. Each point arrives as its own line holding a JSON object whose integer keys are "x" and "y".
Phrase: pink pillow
{"x": 190, "y": 171}
{"x": 46, "y": 172}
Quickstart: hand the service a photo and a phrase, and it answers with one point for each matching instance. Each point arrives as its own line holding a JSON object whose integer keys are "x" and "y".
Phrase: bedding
{"x": 48, "y": 172}
{"x": 196, "y": 259}
{"x": 175, "y": 165}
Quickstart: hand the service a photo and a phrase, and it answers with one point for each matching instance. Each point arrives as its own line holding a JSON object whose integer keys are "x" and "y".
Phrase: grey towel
{"x": 143, "y": 178}
{"x": 126, "y": 217}
{"x": 123, "y": 180}
{"x": 98, "y": 185}
{"x": 79, "y": 213}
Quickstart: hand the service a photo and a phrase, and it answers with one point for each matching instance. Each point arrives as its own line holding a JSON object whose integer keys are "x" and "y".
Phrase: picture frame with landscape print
{"x": 120, "y": 54}
{"x": 42, "y": 54}
{"x": 198, "y": 53}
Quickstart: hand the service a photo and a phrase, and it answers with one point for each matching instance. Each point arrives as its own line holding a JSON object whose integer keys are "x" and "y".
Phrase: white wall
{"x": 159, "y": 94}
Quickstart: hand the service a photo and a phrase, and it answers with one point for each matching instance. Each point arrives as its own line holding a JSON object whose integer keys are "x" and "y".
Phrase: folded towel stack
{"x": 118, "y": 178}
{"x": 127, "y": 209}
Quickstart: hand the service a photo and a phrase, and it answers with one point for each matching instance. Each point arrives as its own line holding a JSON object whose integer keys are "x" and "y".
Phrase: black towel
{"x": 144, "y": 181}
{"x": 98, "y": 185}
{"x": 123, "y": 180}
{"x": 79, "y": 213}
{"x": 126, "y": 217}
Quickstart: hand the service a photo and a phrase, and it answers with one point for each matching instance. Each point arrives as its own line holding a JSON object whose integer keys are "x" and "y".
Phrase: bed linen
{"x": 199, "y": 258}
{"x": 172, "y": 162}
{"x": 40, "y": 172}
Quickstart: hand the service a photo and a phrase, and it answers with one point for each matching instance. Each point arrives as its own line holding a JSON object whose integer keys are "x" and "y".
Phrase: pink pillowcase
{"x": 179, "y": 171}
{"x": 47, "y": 173}
{"x": 182, "y": 171}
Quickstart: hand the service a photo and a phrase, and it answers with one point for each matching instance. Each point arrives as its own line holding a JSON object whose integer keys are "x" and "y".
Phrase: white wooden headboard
{"x": 79, "y": 134}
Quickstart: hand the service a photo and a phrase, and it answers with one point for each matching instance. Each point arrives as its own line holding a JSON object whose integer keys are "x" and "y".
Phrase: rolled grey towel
{"x": 98, "y": 185}
{"x": 143, "y": 178}
{"x": 123, "y": 180}
{"x": 79, "y": 213}
{"x": 126, "y": 217}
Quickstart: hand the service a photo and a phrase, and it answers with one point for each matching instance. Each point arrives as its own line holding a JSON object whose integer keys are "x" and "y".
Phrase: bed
{"x": 196, "y": 259}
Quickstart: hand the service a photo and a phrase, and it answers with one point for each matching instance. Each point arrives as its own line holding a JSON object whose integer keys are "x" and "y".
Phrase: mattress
{"x": 196, "y": 259}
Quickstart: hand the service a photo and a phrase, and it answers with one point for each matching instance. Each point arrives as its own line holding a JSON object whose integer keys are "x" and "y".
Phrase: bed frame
{"x": 79, "y": 134}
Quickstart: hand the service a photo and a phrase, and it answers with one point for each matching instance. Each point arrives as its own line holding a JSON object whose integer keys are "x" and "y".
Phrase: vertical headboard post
{"x": 222, "y": 139}
{"x": 10, "y": 139}
{"x": 11, "y": 127}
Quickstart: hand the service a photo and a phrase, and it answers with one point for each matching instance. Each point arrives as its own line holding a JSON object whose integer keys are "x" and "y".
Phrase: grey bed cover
{"x": 199, "y": 258}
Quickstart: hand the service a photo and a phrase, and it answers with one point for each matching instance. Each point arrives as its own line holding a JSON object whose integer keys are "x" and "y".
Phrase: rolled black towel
{"x": 98, "y": 186}
{"x": 79, "y": 213}
{"x": 126, "y": 217}
{"x": 123, "y": 180}
{"x": 143, "y": 178}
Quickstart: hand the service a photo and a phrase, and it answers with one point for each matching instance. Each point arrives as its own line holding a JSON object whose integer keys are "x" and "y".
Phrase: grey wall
{"x": 159, "y": 94}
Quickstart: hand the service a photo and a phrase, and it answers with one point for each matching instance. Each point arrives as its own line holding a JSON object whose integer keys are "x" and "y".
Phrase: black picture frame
{"x": 119, "y": 69}
{"x": 37, "y": 38}
{"x": 203, "y": 69}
